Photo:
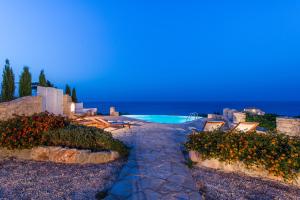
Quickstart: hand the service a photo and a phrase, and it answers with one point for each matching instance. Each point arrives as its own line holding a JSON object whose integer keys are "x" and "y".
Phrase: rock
{"x": 61, "y": 155}
{"x": 17, "y": 153}
{"x": 239, "y": 167}
{"x": 40, "y": 153}
{"x": 194, "y": 156}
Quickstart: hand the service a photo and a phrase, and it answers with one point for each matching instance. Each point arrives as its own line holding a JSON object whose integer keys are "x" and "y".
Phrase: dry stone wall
{"x": 239, "y": 117}
{"x": 67, "y": 103}
{"x": 228, "y": 114}
{"x": 48, "y": 99}
{"x": 22, "y": 106}
{"x": 60, "y": 155}
{"x": 113, "y": 112}
{"x": 289, "y": 126}
{"x": 233, "y": 116}
{"x": 238, "y": 167}
{"x": 215, "y": 117}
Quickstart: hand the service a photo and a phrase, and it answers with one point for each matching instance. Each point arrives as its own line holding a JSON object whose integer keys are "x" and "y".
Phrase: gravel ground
{"x": 215, "y": 184}
{"x": 46, "y": 180}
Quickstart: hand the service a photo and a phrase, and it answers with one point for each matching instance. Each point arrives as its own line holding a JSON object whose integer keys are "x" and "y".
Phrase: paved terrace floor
{"x": 156, "y": 167}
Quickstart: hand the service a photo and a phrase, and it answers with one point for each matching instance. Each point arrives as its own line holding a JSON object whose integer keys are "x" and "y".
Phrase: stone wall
{"x": 238, "y": 167}
{"x": 67, "y": 105}
{"x": 52, "y": 99}
{"x": 233, "y": 116}
{"x": 60, "y": 155}
{"x": 228, "y": 114}
{"x": 239, "y": 117}
{"x": 289, "y": 126}
{"x": 215, "y": 117}
{"x": 22, "y": 106}
{"x": 113, "y": 112}
{"x": 79, "y": 107}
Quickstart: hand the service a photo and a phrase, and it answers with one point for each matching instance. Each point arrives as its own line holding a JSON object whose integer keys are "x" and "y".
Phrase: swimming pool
{"x": 163, "y": 119}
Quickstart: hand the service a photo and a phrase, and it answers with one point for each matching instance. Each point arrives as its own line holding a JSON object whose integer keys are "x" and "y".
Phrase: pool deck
{"x": 156, "y": 166}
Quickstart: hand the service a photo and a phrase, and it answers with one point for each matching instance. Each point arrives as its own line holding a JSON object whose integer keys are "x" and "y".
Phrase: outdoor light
{"x": 72, "y": 107}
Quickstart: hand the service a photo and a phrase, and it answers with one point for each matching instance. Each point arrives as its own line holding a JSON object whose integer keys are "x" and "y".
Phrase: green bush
{"x": 82, "y": 137}
{"x": 277, "y": 153}
{"x": 267, "y": 121}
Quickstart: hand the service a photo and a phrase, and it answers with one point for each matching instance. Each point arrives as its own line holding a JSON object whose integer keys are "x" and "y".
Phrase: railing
{"x": 193, "y": 116}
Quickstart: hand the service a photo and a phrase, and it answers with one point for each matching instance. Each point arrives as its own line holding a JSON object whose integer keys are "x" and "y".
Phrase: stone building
{"x": 113, "y": 112}
{"x": 254, "y": 111}
{"x": 48, "y": 99}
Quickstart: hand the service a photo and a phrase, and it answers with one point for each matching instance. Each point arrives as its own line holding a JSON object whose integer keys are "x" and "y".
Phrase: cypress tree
{"x": 25, "y": 83}
{"x": 8, "y": 83}
{"x": 74, "y": 96}
{"x": 68, "y": 90}
{"x": 49, "y": 84}
{"x": 42, "y": 79}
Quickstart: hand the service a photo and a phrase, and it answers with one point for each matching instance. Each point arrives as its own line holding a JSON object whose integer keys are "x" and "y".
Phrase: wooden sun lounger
{"x": 210, "y": 126}
{"x": 87, "y": 121}
{"x": 113, "y": 124}
{"x": 246, "y": 127}
{"x": 101, "y": 123}
{"x": 213, "y": 126}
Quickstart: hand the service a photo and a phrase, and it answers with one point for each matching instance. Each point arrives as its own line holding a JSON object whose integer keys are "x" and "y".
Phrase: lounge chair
{"x": 245, "y": 127}
{"x": 117, "y": 124}
{"x": 210, "y": 126}
{"x": 101, "y": 123}
{"x": 88, "y": 122}
{"x": 213, "y": 126}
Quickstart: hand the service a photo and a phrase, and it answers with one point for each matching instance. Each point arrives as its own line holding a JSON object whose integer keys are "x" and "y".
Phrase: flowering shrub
{"x": 277, "y": 153}
{"x": 26, "y": 132}
{"x": 46, "y": 129}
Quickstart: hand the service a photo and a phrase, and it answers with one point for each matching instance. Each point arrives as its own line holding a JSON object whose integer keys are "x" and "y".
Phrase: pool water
{"x": 163, "y": 119}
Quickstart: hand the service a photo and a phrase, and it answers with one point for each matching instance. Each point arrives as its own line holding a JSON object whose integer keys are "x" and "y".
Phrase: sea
{"x": 284, "y": 108}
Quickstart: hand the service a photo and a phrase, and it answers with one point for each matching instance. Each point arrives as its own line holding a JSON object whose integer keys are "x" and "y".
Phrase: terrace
{"x": 182, "y": 100}
{"x": 158, "y": 165}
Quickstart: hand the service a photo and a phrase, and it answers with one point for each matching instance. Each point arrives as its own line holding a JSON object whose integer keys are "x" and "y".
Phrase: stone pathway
{"x": 156, "y": 167}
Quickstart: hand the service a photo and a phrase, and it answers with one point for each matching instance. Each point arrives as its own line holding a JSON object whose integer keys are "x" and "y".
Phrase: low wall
{"x": 67, "y": 103}
{"x": 289, "y": 126}
{"x": 52, "y": 99}
{"x": 21, "y": 106}
{"x": 228, "y": 114}
{"x": 60, "y": 155}
{"x": 238, "y": 167}
{"x": 215, "y": 117}
{"x": 113, "y": 112}
{"x": 239, "y": 117}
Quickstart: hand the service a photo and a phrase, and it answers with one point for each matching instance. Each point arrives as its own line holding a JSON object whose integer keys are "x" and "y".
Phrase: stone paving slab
{"x": 156, "y": 167}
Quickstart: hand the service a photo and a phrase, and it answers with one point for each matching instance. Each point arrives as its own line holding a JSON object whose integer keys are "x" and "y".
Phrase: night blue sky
{"x": 158, "y": 50}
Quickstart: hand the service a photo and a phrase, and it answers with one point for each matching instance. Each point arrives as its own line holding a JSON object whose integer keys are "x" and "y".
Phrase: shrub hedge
{"x": 26, "y": 132}
{"x": 277, "y": 153}
{"x": 267, "y": 121}
{"x": 82, "y": 137}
